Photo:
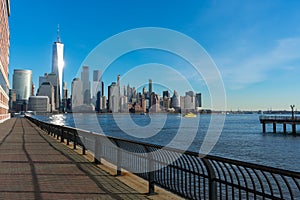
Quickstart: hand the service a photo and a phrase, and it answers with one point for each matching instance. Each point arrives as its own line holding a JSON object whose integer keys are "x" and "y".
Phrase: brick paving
{"x": 36, "y": 166}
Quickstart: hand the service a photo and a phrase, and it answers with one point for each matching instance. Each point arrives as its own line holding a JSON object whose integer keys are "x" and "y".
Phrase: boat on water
{"x": 190, "y": 115}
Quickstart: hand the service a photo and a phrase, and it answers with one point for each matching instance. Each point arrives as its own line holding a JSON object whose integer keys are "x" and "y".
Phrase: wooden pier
{"x": 284, "y": 120}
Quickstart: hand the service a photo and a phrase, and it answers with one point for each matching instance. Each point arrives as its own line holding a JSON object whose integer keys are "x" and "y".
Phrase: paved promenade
{"x": 36, "y": 166}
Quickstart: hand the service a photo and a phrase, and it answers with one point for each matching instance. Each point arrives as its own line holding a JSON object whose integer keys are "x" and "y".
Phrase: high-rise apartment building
{"x": 150, "y": 86}
{"x": 86, "y": 85}
{"x": 77, "y": 98}
{"x": 58, "y": 64}
{"x": 65, "y": 97}
{"x": 150, "y": 93}
{"x": 53, "y": 79}
{"x": 47, "y": 89}
{"x": 4, "y": 59}
{"x": 129, "y": 93}
{"x": 65, "y": 89}
{"x": 22, "y": 83}
{"x": 102, "y": 88}
{"x": 113, "y": 97}
{"x": 123, "y": 104}
{"x": 96, "y": 87}
{"x": 155, "y": 100}
{"x": 189, "y": 103}
{"x": 198, "y": 100}
{"x": 166, "y": 94}
{"x": 43, "y": 79}
{"x": 175, "y": 101}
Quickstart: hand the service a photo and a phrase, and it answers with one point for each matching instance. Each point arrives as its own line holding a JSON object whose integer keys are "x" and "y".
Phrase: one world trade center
{"x": 58, "y": 64}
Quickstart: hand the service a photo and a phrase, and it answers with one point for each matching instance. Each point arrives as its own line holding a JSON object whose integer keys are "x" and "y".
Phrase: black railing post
{"x": 83, "y": 146}
{"x": 49, "y": 129}
{"x": 57, "y": 132}
{"x": 74, "y": 139}
{"x": 119, "y": 159}
{"x": 97, "y": 156}
{"x": 62, "y": 139}
{"x": 150, "y": 172}
{"x": 211, "y": 180}
{"x": 68, "y": 137}
{"x": 83, "y": 150}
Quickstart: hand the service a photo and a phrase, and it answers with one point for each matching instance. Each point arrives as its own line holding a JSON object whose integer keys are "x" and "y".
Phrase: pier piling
{"x": 264, "y": 127}
{"x": 294, "y": 129}
{"x": 284, "y": 120}
{"x": 274, "y": 127}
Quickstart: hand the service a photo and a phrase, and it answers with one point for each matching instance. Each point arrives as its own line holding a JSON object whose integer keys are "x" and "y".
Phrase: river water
{"x": 241, "y": 137}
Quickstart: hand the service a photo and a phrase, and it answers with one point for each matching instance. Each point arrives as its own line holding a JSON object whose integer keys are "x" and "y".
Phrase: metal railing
{"x": 187, "y": 174}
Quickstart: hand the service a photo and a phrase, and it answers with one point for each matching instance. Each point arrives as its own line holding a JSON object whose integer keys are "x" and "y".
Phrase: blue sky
{"x": 255, "y": 44}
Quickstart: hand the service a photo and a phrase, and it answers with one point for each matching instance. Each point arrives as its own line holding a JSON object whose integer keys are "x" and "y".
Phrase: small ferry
{"x": 190, "y": 115}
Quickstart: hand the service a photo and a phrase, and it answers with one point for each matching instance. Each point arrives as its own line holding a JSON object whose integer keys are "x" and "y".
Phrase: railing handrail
{"x": 213, "y": 164}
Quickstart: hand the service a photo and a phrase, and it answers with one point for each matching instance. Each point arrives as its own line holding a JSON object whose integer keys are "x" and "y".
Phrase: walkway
{"x": 35, "y": 166}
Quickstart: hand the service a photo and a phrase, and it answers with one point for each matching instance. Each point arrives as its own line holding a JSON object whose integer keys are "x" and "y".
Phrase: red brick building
{"x": 4, "y": 59}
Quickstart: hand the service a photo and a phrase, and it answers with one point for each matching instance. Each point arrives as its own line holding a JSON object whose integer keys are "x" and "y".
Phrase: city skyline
{"x": 121, "y": 98}
{"x": 254, "y": 44}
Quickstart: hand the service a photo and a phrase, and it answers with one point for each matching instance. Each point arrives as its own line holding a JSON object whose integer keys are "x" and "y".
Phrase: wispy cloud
{"x": 242, "y": 72}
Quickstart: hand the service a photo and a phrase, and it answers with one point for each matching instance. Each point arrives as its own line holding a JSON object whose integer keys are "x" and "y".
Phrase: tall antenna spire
{"x": 58, "y": 34}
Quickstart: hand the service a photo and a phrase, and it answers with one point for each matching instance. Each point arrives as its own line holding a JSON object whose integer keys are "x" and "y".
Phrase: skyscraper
{"x": 119, "y": 85}
{"x": 129, "y": 93}
{"x": 53, "y": 79}
{"x": 4, "y": 59}
{"x": 102, "y": 88}
{"x": 96, "y": 85}
{"x": 86, "y": 85}
{"x": 65, "y": 88}
{"x": 113, "y": 97}
{"x": 166, "y": 99}
{"x": 65, "y": 97}
{"x": 150, "y": 87}
{"x": 22, "y": 80}
{"x": 175, "y": 101}
{"x": 150, "y": 93}
{"x": 198, "y": 100}
{"x": 166, "y": 94}
{"x": 58, "y": 63}
{"x": 47, "y": 89}
{"x": 77, "y": 98}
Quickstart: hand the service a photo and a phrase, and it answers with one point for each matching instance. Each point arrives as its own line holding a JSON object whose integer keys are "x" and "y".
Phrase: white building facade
{"x": 39, "y": 104}
{"x": 47, "y": 89}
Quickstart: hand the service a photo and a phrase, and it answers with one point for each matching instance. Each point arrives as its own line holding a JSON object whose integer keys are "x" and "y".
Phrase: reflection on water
{"x": 59, "y": 119}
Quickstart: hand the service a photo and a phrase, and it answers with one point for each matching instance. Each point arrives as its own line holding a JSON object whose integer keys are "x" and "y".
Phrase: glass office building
{"x": 22, "y": 83}
{"x": 58, "y": 63}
